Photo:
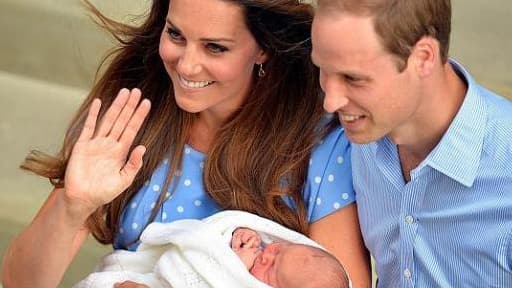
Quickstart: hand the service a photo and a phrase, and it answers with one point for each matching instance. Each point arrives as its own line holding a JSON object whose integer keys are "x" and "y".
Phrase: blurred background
{"x": 49, "y": 53}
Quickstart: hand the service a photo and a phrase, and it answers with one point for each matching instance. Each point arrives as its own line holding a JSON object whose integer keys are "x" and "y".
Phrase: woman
{"x": 235, "y": 115}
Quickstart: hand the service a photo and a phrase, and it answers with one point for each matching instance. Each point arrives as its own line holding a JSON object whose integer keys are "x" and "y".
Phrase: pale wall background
{"x": 49, "y": 52}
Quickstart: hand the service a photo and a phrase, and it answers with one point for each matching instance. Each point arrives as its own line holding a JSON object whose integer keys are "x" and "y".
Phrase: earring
{"x": 261, "y": 72}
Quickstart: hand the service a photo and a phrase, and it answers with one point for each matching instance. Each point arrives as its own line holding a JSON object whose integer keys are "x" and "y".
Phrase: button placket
{"x": 411, "y": 202}
{"x": 407, "y": 273}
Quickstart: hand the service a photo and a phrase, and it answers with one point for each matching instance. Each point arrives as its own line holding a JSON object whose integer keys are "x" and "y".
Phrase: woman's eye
{"x": 175, "y": 35}
{"x": 216, "y": 48}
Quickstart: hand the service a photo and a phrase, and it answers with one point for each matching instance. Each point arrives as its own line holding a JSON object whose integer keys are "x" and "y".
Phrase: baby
{"x": 285, "y": 264}
{"x": 219, "y": 251}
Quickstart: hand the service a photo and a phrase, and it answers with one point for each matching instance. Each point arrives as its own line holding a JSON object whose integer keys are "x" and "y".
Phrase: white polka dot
{"x": 135, "y": 226}
{"x": 198, "y": 203}
{"x": 156, "y": 187}
{"x": 168, "y": 194}
{"x": 164, "y": 216}
{"x": 318, "y": 179}
{"x": 330, "y": 178}
{"x": 201, "y": 165}
{"x": 180, "y": 209}
{"x": 166, "y": 161}
{"x": 134, "y": 205}
{"x": 187, "y": 182}
{"x": 187, "y": 150}
{"x": 318, "y": 201}
{"x": 310, "y": 161}
{"x": 121, "y": 230}
{"x": 153, "y": 205}
{"x": 336, "y": 205}
{"x": 344, "y": 196}
{"x": 340, "y": 160}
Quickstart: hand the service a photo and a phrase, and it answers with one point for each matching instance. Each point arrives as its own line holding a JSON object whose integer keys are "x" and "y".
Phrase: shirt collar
{"x": 457, "y": 155}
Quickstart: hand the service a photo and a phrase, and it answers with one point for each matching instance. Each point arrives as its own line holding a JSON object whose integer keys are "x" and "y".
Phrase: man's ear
{"x": 425, "y": 56}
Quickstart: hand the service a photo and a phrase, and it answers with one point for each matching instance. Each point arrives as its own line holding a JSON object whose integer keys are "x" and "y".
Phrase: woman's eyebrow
{"x": 209, "y": 39}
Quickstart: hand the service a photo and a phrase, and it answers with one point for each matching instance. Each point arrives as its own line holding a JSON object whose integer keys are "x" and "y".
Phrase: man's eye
{"x": 350, "y": 78}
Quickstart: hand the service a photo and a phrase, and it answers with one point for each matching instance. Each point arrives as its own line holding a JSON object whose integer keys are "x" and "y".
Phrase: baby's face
{"x": 277, "y": 264}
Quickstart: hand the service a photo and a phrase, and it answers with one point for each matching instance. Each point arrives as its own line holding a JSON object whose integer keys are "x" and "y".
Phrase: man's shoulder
{"x": 499, "y": 107}
{"x": 498, "y": 134}
{"x": 499, "y": 110}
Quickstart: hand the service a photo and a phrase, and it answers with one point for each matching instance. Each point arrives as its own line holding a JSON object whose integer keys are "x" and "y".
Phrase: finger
{"x": 113, "y": 112}
{"x": 133, "y": 165}
{"x": 257, "y": 243}
{"x": 236, "y": 242}
{"x": 253, "y": 242}
{"x": 246, "y": 237}
{"x": 126, "y": 114}
{"x": 90, "y": 121}
{"x": 135, "y": 122}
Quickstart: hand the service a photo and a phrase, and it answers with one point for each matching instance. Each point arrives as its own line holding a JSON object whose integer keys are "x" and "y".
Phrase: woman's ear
{"x": 261, "y": 57}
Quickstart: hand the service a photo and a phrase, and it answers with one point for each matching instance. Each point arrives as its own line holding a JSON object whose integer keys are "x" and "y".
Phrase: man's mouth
{"x": 349, "y": 118}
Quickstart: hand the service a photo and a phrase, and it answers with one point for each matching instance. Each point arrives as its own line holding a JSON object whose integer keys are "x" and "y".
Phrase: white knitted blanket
{"x": 190, "y": 253}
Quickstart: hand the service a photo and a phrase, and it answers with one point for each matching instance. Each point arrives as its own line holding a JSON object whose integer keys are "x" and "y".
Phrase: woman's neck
{"x": 203, "y": 131}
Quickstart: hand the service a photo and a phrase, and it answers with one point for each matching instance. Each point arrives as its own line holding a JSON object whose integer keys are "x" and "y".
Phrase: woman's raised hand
{"x": 101, "y": 165}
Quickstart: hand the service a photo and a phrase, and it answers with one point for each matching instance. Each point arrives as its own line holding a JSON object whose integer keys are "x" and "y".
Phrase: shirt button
{"x": 407, "y": 273}
{"x": 409, "y": 219}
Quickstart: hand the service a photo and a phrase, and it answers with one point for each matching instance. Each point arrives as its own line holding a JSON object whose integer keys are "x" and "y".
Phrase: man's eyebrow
{"x": 354, "y": 75}
{"x": 220, "y": 39}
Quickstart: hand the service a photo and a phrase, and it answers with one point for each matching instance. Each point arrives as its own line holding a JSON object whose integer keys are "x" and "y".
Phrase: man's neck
{"x": 444, "y": 94}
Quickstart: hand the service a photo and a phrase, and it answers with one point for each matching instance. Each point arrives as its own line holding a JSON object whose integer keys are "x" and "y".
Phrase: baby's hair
{"x": 333, "y": 273}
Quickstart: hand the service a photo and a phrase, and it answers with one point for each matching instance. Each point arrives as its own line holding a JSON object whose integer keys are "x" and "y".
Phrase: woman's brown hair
{"x": 259, "y": 154}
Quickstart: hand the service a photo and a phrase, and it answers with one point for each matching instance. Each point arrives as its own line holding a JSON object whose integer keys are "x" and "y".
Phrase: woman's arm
{"x": 100, "y": 167}
{"x": 39, "y": 256}
{"x": 339, "y": 233}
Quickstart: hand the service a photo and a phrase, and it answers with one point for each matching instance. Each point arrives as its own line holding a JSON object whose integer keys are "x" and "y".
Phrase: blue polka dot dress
{"x": 328, "y": 188}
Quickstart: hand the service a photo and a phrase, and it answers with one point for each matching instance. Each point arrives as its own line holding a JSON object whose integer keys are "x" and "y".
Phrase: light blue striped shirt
{"x": 451, "y": 225}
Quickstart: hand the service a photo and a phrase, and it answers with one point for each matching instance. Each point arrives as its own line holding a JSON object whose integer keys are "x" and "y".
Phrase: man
{"x": 432, "y": 153}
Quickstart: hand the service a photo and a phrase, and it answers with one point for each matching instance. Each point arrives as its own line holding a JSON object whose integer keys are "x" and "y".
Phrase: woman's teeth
{"x": 195, "y": 84}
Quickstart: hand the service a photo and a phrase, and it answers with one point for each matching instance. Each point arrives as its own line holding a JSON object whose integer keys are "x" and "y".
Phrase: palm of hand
{"x": 99, "y": 168}
{"x": 94, "y": 170}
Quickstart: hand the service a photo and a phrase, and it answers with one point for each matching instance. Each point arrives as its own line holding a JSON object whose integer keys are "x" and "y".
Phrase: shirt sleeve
{"x": 329, "y": 181}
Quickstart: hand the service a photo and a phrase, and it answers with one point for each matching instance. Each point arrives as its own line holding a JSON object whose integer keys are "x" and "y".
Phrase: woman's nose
{"x": 189, "y": 62}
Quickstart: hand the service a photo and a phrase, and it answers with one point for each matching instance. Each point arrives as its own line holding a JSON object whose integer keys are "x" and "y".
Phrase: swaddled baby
{"x": 219, "y": 251}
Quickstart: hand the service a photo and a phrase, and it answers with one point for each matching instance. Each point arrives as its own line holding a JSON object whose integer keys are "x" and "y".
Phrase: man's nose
{"x": 335, "y": 94}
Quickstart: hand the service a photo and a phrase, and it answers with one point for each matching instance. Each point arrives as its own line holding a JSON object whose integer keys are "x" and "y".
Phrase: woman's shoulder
{"x": 333, "y": 143}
